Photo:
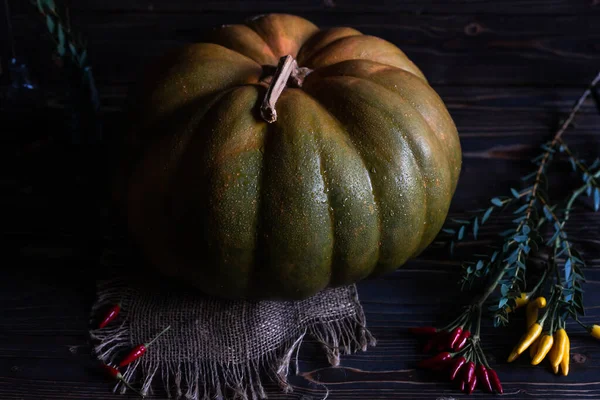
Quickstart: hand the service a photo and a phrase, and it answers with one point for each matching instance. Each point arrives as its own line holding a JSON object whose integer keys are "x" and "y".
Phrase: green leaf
{"x": 479, "y": 265}
{"x": 547, "y": 213}
{"x": 475, "y": 228}
{"x": 504, "y": 289}
{"x": 449, "y": 231}
{"x": 526, "y": 229}
{"x": 461, "y": 221}
{"x": 521, "y": 209}
{"x": 494, "y": 255}
{"x": 461, "y": 233}
{"x": 50, "y": 24}
{"x": 452, "y": 247}
{"x": 502, "y": 302}
{"x": 83, "y": 57}
{"x": 573, "y": 164}
{"x": 520, "y": 238}
{"x": 50, "y": 4}
{"x": 61, "y": 48}
{"x": 73, "y": 50}
{"x": 588, "y": 190}
{"x": 596, "y": 199}
{"x": 529, "y": 176}
{"x": 568, "y": 269}
{"x": 486, "y": 215}
{"x": 497, "y": 202}
{"x": 517, "y": 220}
{"x": 515, "y": 193}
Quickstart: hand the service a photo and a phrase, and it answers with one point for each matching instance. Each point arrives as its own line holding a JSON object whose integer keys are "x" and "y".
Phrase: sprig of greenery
{"x": 534, "y": 213}
{"x": 72, "y": 50}
{"x": 67, "y": 43}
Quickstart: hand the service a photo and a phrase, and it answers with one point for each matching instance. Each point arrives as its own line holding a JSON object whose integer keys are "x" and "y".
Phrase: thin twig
{"x": 553, "y": 143}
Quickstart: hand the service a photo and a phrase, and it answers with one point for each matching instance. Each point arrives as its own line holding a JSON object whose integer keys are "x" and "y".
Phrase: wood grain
{"x": 415, "y": 7}
{"x": 455, "y": 50}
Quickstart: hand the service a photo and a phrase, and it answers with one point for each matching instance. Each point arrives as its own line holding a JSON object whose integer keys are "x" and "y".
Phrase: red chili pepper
{"x": 458, "y": 364}
{"x": 139, "y": 350}
{"x": 454, "y": 336}
{"x": 484, "y": 378}
{"x": 495, "y": 381}
{"x": 114, "y": 373}
{"x": 110, "y": 315}
{"x": 434, "y": 341}
{"x": 471, "y": 384}
{"x": 469, "y": 371}
{"x": 423, "y": 330}
{"x": 436, "y": 361}
{"x": 462, "y": 341}
{"x": 462, "y": 386}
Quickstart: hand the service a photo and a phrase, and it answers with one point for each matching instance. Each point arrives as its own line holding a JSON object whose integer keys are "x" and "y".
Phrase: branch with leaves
{"x": 72, "y": 51}
{"x": 507, "y": 278}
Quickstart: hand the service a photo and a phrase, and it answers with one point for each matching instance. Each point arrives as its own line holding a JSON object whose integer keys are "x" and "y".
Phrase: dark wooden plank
{"x": 465, "y": 50}
{"x": 533, "y": 7}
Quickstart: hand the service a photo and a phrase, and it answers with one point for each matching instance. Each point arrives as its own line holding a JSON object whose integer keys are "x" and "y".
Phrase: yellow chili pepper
{"x": 545, "y": 345}
{"x": 519, "y": 302}
{"x": 529, "y": 337}
{"x": 533, "y": 348}
{"x": 564, "y": 363}
{"x": 560, "y": 340}
{"x": 532, "y": 310}
{"x": 558, "y": 349}
{"x": 513, "y": 355}
{"x": 595, "y": 331}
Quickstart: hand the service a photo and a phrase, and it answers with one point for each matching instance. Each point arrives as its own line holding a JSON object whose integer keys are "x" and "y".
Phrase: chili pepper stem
{"x": 157, "y": 336}
{"x": 584, "y": 326}
{"x": 491, "y": 287}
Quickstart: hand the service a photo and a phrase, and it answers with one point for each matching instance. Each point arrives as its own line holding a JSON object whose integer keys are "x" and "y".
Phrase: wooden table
{"x": 508, "y": 72}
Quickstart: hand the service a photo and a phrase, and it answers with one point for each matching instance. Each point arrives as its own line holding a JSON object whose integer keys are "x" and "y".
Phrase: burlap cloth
{"x": 218, "y": 348}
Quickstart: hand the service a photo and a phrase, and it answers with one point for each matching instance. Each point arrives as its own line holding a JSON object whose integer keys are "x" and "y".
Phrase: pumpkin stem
{"x": 287, "y": 73}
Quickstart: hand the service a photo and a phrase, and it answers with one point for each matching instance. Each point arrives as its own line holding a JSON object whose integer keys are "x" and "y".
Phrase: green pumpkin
{"x": 354, "y": 177}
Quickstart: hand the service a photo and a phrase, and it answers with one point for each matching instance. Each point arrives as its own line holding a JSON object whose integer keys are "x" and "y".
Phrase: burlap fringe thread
{"x": 206, "y": 379}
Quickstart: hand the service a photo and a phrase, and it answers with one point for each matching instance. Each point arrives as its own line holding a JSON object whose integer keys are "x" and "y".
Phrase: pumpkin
{"x": 277, "y": 159}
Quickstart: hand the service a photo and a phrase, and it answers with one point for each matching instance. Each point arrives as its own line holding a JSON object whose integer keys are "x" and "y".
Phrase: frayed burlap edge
{"x": 207, "y": 379}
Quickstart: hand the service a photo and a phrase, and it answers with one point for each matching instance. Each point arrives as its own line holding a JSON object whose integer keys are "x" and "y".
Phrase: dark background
{"x": 508, "y": 72}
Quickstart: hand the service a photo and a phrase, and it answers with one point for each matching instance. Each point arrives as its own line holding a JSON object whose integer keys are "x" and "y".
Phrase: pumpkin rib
{"x": 297, "y": 250}
{"x": 402, "y": 61}
{"x": 337, "y": 131}
{"x": 360, "y": 156}
{"x": 344, "y": 271}
{"x": 375, "y": 72}
{"x": 436, "y": 138}
{"x": 447, "y": 162}
{"x": 412, "y": 150}
{"x": 315, "y": 42}
{"x": 291, "y": 32}
{"x": 326, "y": 189}
{"x": 234, "y": 145}
{"x": 255, "y": 277}
{"x": 420, "y": 168}
{"x": 230, "y": 37}
{"x": 152, "y": 234}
